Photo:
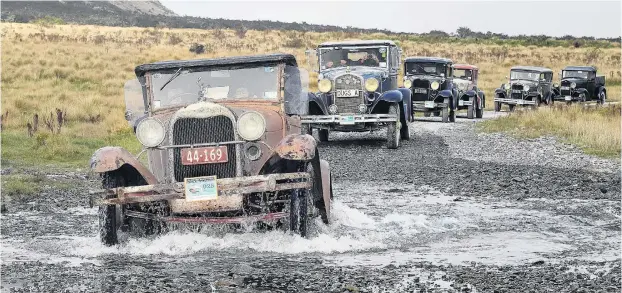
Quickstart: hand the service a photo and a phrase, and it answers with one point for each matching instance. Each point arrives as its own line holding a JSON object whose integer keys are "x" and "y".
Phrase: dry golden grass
{"x": 82, "y": 69}
{"x": 595, "y": 130}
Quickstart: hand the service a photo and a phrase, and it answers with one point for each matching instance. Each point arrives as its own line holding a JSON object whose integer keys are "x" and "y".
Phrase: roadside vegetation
{"x": 596, "y": 130}
{"x": 62, "y": 85}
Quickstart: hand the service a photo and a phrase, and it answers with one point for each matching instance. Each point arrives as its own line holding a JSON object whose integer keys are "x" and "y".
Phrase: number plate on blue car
{"x": 347, "y": 120}
{"x": 201, "y": 188}
{"x": 419, "y": 90}
{"x": 346, "y": 93}
{"x": 565, "y": 88}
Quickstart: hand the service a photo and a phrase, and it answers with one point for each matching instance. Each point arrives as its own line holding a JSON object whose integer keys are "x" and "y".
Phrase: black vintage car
{"x": 528, "y": 86}
{"x": 358, "y": 92}
{"x": 581, "y": 84}
{"x": 431, "y": 82}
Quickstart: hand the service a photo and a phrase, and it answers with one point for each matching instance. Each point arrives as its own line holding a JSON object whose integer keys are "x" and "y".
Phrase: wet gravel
{"x": 446, "y": 206}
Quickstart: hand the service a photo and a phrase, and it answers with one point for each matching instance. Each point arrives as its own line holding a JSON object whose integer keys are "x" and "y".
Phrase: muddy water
{"x": 373, "y": 227}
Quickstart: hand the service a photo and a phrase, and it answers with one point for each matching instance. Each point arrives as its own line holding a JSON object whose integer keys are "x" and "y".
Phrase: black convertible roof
{"x": 427, "y": 59}
{"x": 288, "y": 59}
{"x": 357, "y": 43}
{"x": 584, "y": 68}
{"x": 532, "y": 68}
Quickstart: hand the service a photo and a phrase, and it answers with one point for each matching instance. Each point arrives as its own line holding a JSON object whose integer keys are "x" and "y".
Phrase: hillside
{"x": 154, "y": 14}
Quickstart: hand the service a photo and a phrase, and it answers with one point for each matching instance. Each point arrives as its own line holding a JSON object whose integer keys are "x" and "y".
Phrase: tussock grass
{"x": 21, "y": 185}
{"x": 595, "y": 130}
{"x": 81, "y": 69}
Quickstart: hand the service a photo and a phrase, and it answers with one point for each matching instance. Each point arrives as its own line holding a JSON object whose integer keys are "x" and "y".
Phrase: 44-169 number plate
{"x": 205, "y": 155}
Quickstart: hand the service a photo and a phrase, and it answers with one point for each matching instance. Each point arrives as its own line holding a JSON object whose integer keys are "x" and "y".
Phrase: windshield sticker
{"x": 382, "y": 64}
{"x": 269, "y": 69}
{"x": 269, "y": 95}
{"x": 382, "y": 50}
{"x": 156, "y": 103}
{"x": 217, "y": 92}
{"x": 156, "y": 75}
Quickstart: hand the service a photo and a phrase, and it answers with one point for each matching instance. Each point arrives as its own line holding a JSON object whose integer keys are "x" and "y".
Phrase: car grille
{"x": 349, "y": 104}
{"x": 517, "y": 91}
{"x": 204, "y": 130}
{"x": 421, "y": 84}
{"x": 564, "y": 92}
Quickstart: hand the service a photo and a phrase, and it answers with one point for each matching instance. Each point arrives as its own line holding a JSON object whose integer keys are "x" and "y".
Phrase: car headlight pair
{"x": 435, "y": 85}
{"x": 506, "y": 86}
{"x": 526, "y": 88}
{"x": 150, "y": 132}
{"x": 408, "y": 84}
{"x": 325, "y": 85}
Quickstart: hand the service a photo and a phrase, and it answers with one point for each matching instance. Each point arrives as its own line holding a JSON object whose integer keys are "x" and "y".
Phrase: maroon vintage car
{"x": 470, "y": 97}
{"x": 224, "y": 146}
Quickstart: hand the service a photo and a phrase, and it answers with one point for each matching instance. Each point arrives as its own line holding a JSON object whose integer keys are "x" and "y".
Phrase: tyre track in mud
{"x": 439, "y": 213}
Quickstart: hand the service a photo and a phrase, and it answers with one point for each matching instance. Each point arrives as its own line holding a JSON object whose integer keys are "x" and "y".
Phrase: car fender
{"x": 320, "y": 100}
{"x": 446, "y": 94}
{"x": 471, "y": 93}
{"x": 296, "y": 147}
{"x": 108, "y": 159}
{"x": 392, "y": 96}
{"x": 500, "y": 92}
{"x": 601, "y": 89}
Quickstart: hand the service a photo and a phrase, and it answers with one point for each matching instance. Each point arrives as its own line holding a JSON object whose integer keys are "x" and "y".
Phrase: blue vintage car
{"x": 431, "y": 82}
{"x": 357, "y": 83}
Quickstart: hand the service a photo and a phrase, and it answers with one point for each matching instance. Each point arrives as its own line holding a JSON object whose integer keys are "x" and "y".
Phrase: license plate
{"x": 516, "y": 91}
{"x": 346, "y": 93}
{"x": 461, "y": 103}
{"x": 206, "y": 155}
{"x": 565, "y": 88}
{"x": 201, "y": 188}
{"x": 429, "y": 104}
{"x": 420, "y": 90}
{"x": 568, "y": 98}
{"x": 347, "y": 120}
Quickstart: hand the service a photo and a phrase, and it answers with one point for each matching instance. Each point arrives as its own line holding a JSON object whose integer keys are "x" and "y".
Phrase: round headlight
{"x": 150, "y": 132}
{"x": 555, "y": 85}
{"x": 408, "y": 84}
{"x": 332, "y": 109}
{"x": 573, "y": 85}
{"x": 251, "y": 125}
{"x": 371, "y": 84}
{"x": 324, "y": 85}
{"x": 362, "y": 108}
{"x": 526, "y": 88}
{"x": 506, "y": 86}
{"x": 435, "y": 85}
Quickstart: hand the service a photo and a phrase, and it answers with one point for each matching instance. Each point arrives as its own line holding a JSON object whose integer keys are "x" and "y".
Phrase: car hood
{"x": 365, "y": 72}
{"x": 578, "y": 81}
{"x": 524, "y": 82}
{"x": 431, "y": 78}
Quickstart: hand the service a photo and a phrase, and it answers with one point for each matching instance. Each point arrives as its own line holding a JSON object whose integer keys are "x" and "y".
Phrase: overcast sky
{"x": 553, "y": 18}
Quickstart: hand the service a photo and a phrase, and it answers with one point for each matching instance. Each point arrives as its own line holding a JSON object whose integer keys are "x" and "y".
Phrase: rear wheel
{"x": 497, "y": 106}
{"x": 471, "y": 108}
{"x": 322, "y": 134}
{"x": 393, "y": 128}
{"x": 479, "y": 112}
{"x": 602, "y": 97}
{"x": 405, "y": 133}
{"x": 512, "y": 107}
{"x": 537, "y": 104}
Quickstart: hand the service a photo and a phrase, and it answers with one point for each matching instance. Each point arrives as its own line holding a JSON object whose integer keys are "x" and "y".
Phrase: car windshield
{"x": 353, "y": 56}
{"x": 190, "y": 85}
{"x": 575, "y": 73}
{"x": 527, "y": 75}
{"x": 425, "y": 68}
{"x": 463, "y": 74}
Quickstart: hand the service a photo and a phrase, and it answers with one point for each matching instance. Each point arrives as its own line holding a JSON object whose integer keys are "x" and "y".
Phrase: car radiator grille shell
{"x": 424, "y": 84}
{"x": 349, "y": 104}
{"x": 204, "y": 130}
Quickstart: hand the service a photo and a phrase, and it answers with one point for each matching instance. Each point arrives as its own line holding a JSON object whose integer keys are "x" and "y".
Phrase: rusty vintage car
{"x": 223, "y": 143}
{"x": 470, "y": 97}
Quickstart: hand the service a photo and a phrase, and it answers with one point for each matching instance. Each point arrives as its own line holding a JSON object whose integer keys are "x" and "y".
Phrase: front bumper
{"x": 428, "y": 105}
{"x": 464, "y": 103}
{"x": 348, "y": 119}
{"x": 515, "y": 101}
{"x": 229, "y": 192}
{"x": 567, "y": 98}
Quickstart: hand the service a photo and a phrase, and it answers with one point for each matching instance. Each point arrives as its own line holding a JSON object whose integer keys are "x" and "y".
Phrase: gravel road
{"x": 452, "y": 210}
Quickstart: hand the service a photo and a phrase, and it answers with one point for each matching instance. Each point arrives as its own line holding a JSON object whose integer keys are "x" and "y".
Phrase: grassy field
{"x": 595, "y": 130}
{"x": 80, "y": 70}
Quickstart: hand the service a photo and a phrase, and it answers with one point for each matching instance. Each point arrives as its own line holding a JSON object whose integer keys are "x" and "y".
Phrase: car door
{"x": 591, "y": 86}
{"x": 545, "y": 84}
{"x": 394, "y": 65}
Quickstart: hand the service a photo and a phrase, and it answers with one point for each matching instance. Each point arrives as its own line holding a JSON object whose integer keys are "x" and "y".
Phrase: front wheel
{"x": 602, "y": 97}
{"x": 445, "y": 111}
{"x": 302, "y": 208}
{"x": 322, "y": 134}
{"x": 497, "y": 106}
{"x": 479, "y": 112}
{"x": 394, "y": 128}
{"x": 512, "y": 107}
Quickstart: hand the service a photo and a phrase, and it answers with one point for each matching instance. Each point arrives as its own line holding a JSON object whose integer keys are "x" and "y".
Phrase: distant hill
{"x": 153, "y": 14}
